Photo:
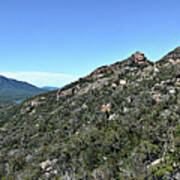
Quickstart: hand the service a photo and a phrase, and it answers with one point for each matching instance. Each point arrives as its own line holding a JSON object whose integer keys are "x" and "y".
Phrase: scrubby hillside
{"x": 120, "y": 122}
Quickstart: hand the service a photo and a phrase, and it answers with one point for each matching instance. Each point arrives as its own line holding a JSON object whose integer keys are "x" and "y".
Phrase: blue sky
{"x": 53, "y": 42}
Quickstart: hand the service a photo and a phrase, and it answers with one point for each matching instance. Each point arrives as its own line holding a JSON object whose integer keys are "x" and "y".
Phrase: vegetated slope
{"x": 120, "y": 122}
{"x": 11, "y": 90}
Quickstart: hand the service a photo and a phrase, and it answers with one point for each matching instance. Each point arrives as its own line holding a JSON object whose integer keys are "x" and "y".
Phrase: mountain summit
{"x": 120, "y": 122}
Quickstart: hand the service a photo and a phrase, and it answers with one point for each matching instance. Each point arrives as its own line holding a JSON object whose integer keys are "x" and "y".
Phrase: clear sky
{"x": 52, "y": 42}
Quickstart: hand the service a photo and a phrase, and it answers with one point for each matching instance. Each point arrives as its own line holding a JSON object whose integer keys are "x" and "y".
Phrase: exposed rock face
{"x": 98, "y": 73}
{"x": 139, "y": 56}
{"x": 122, "y": 82}
{"x": 119, "y": 122}
{"x": 106, "y": 108}
{"x": 114, "y": 85}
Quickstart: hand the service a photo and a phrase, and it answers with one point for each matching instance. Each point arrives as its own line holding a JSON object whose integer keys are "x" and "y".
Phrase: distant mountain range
{"x": 12, "y": 90}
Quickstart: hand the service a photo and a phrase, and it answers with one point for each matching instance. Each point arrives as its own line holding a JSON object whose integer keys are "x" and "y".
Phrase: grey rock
{"x": 177, "y": 176}
{"x": 13, "y": 152}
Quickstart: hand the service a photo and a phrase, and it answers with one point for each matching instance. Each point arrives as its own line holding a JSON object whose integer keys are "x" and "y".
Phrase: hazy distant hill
{"x": 11, "y": 90}
{"x": 120, "y": 122}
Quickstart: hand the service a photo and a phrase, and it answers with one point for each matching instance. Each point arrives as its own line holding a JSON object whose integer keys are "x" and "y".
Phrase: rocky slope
{"x": 120, "y": 122}
{"x": 12, "y": 90}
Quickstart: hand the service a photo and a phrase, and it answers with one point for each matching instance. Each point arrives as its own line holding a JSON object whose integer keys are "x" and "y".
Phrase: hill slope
{"x": 120, "y": 122}
{"x": 11, "y": 90}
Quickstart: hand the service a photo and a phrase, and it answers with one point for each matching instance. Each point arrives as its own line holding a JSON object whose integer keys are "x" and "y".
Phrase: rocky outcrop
{"x": 139, "y": 56}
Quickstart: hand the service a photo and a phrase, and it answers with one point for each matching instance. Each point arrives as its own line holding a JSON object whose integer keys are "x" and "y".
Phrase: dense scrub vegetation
{"x": 122, "y": 124}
